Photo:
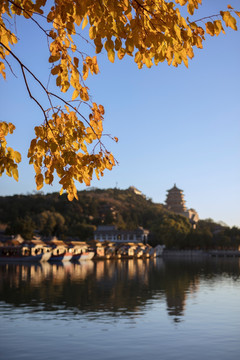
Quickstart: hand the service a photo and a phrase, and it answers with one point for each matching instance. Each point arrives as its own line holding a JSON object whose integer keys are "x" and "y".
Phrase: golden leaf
{"x": 55, "y": 70}
{"x": 2, "y": 67}
{"x": 210, "y": 29}
{"x": 111, "y": 55}
{"x": 84, "y": 94}
{"x": 229, "y": 19}
{"x": 70, "y": 196}
{"x": 58, "y": 81}
{"x": 15, "y": 173}
{"x": 54, "y": 58}
{"x": 76, "y": 61}
{"x": 85, "y": 22}
{"x": 75, "y": 94}
{"x": 217, "y": 27}
{"x": 39, "y": 181}
{"x": 121, "y": 53}
{"x": 85, "y": 71}
{"x": 17, "y": 157}
{"x": 92, "y": 32}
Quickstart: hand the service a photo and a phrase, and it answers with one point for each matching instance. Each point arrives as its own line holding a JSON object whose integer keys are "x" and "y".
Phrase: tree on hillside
{"x": 50, "y": 223}
{"x": 68, "y": 143}
{"x": 171, "y": 230}
{"x": 22, "y": 226}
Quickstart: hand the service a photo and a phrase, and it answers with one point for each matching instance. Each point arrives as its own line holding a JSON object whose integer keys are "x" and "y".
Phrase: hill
{"x": 53, "y": 215}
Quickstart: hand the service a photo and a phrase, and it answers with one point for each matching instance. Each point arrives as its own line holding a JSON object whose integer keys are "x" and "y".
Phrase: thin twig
{"x": 30, "y": 16}
{"x": 45, "y": 17}
{"x": 49, "y": 94}
{"x": 30, "y": 94}
{"x": 10, "y": 67}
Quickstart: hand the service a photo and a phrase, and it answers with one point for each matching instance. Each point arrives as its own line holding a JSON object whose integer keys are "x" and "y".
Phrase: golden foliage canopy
{"x": 152, "y": 31}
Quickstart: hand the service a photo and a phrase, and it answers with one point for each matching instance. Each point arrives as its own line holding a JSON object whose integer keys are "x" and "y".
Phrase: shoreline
{"x": 201, "y": 253}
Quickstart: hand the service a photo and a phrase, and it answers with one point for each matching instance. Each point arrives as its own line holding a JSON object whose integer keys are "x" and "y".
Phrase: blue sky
{"x": 175, "y": 125}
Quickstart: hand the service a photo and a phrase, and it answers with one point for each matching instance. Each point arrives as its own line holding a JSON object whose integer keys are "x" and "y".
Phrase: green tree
{"x": 199, "y": 239}
{"x": 82, "y": 231}
{"x": 22, "y": 226}
{"x": 50, "y": 223}
{"x": 170, "y": 230}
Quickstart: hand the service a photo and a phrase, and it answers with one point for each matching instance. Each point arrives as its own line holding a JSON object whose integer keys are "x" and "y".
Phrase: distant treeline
{"x": 53, "y": 215}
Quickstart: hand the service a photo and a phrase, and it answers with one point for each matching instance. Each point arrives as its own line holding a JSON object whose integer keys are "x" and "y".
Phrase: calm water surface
{"x": 124, "y": 309}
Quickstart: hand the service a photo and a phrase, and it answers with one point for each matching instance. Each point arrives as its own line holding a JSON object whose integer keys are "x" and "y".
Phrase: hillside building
{"x": 112, "y": 234}
{"x": 136, "y": 191}
{"x": 175, "y": 202}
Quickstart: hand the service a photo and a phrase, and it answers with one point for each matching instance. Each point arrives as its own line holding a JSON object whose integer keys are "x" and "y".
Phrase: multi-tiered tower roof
{"x": 175, "y": 200}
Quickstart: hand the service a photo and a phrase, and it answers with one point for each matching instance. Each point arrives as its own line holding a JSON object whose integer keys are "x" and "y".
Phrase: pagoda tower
{"x": 175, "y": 200}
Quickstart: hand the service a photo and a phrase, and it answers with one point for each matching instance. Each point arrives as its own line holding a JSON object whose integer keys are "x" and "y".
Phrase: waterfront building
{"x": 175, "y": 202}
{"x": 112, "y": 234}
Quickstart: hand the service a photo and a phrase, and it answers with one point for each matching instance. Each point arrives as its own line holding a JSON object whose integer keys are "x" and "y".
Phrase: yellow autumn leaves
{"x": 68, "y": 144}
{"x": 8, "y": 157}
{"x": 61, "y": 146}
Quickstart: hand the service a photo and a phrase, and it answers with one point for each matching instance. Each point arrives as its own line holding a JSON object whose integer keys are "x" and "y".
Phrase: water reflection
{"x": 114, "y": 287}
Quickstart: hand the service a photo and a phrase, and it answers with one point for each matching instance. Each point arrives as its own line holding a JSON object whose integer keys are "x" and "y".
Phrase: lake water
{"x": 124, "y": 309}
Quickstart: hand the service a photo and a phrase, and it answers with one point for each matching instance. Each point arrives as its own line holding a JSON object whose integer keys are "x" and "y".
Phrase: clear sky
{"x": 175, "y": 125}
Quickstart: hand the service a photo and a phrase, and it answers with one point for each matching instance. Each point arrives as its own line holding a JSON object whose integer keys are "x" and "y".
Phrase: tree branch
{"x": 30, "y": 16}
{"x": 49, "y": 94}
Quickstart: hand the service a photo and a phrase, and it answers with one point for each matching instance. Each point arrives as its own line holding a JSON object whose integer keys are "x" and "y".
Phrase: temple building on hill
{"x": 112, "y": 234}
{"x": 175, "y": 202}
{"x": 136, "y": 191}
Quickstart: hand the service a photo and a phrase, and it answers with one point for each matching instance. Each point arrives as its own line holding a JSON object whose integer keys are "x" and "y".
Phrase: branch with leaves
{"x": 151, "y": 31}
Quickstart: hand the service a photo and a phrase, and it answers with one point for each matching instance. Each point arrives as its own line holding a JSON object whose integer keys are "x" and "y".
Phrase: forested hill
{"x": 52, "y": 214}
